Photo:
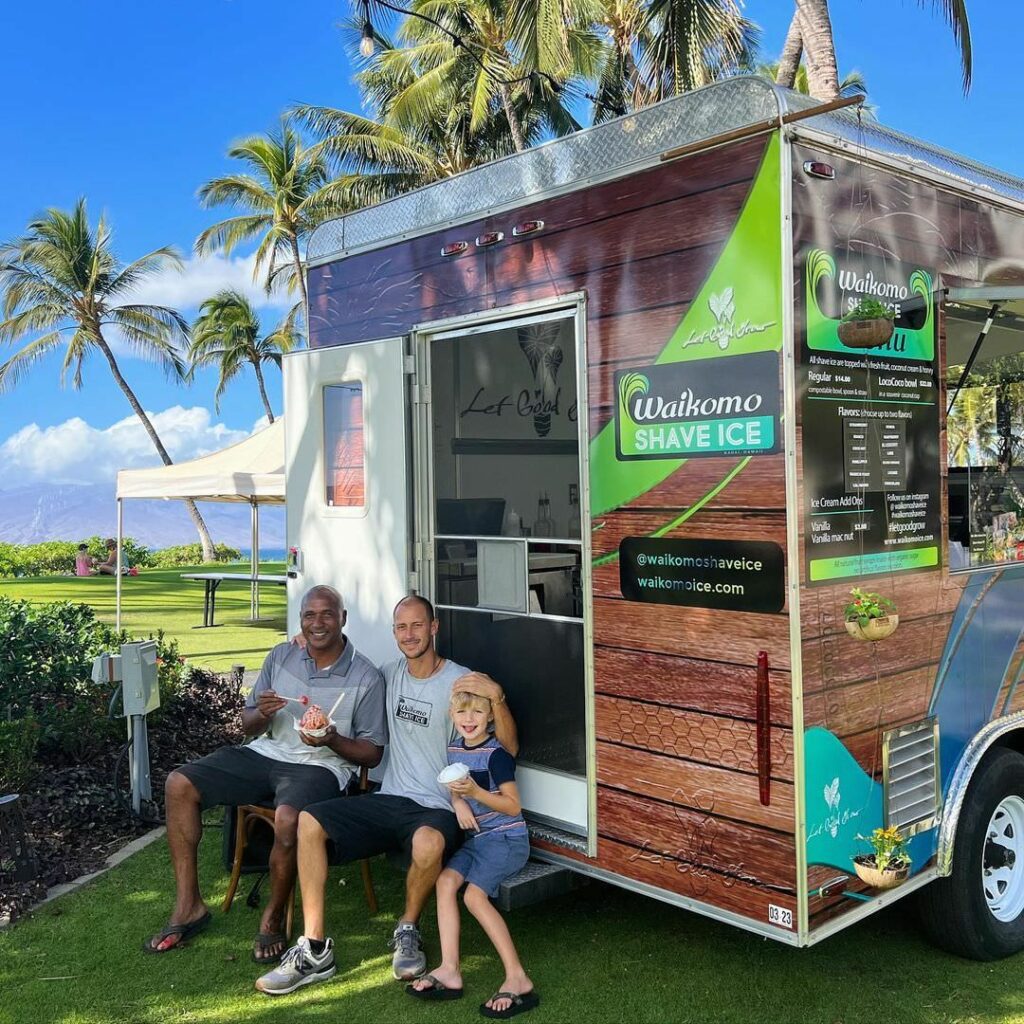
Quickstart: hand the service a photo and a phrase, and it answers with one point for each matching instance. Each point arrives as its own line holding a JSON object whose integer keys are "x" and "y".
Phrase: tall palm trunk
{"x": 204, "y": 534}
{"x": 513, "y": 121}
{"x": 296, "y": 256}
{"x": 819, "y": 45}
{"x": 263, "y": 390}
{"x": 792, "y": 51}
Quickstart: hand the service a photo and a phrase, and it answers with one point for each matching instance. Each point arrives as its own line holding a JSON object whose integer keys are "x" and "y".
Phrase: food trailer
{"x": 597, "y": 401}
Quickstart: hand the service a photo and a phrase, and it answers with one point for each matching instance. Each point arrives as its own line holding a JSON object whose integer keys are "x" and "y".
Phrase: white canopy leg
{"x": 117, "y": 585}
{"x": 254, "y": 558}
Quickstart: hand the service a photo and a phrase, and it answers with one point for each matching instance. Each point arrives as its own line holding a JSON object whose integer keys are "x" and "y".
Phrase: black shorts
{"x": 377, "y": 823}
{"x": 238, "y": 775}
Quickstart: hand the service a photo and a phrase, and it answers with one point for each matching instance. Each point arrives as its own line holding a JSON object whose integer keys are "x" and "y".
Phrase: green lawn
{"x": 161, "y": 599}
{"x": 598, "y": 955}
{"x": 601, "y": 954}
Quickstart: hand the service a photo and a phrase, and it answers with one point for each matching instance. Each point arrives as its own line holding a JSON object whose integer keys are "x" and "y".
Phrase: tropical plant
{"x": 665, "y": 47}
{"x": 227, "y": 334}
{"x": 378, "y": 155}
{"x": 890, "y": 848}
{"x": 284, "y": 197}
{"x": 810, "y": 32}
{"x": 971, "y": 432}
{"x": 867, "y": 605}
{"x": 62, "y": 285}
{"x": 869, "y": 309}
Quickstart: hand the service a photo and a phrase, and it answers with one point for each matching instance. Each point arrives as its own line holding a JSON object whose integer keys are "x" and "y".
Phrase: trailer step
{"x": 536, "y": 882}
{"x": 557, "y": 837}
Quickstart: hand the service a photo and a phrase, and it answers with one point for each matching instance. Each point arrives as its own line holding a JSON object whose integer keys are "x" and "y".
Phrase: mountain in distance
{"x": 39, "y": 512}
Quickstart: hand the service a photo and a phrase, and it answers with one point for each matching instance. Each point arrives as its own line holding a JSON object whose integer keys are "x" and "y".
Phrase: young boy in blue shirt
{"x": 486, "y": 803}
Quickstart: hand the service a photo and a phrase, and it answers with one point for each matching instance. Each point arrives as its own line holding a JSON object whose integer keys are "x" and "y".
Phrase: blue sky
{"x": 132, "y": 104}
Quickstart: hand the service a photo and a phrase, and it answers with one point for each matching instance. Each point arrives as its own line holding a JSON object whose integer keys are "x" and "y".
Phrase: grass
{"x": 161, "y": 599}
{"x": 600, "y": 954}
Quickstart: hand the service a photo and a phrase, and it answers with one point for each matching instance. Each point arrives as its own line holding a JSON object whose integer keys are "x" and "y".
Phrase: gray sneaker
{"x": 299, "y": 966}
{"x": 409, "y": 960}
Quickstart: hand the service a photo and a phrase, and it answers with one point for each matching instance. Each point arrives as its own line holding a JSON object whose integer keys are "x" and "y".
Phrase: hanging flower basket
{"x": 873, "y": 629}
{"x": 870, "y": 875}
{"x": 865, "y": 333}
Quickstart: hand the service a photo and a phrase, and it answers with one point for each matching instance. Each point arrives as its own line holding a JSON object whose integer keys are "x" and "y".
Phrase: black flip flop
{"x": 183, "y": 931}
{"x": 437, "y": 991}
{"x": 520, "y": 1004}
{"x": 265, "y": 939}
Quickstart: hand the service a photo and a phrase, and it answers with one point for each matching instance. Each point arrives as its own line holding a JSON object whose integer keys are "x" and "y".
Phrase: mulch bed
{"x": 74, "y": 816}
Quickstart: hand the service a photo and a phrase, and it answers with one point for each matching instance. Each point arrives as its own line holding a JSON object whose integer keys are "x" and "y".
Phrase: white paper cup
{"x": 316, "y": 733}
{"x": 453, "y": 773}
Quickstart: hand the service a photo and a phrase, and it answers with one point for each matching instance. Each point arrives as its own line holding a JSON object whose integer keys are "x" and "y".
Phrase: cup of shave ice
{"x": 453, "y": 773}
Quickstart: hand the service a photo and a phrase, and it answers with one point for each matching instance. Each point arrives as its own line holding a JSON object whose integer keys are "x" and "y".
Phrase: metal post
{"x": 254, "y": 559}
{"x": 142, "y": 790}
{"x": 117, "y": 585}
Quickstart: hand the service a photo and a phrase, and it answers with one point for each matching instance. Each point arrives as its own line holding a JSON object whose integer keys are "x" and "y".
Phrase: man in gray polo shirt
{"x": 283, "y": 764}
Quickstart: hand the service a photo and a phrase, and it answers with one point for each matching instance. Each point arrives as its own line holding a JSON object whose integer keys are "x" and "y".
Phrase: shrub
{"x": 46, "y": 655}
{"x": 190, "y": 554}
{"x": 53, "y": 557}
{"x": 18, "y": 741}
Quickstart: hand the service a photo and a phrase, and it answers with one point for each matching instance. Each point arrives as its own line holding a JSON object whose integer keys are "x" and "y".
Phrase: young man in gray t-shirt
{"x": 412, "y": 811}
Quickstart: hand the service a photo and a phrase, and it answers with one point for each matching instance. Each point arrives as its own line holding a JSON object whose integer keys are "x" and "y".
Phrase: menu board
{"x": 870, "y": 425}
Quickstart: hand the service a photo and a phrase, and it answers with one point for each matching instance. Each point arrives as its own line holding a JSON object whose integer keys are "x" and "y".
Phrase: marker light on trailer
{"x": 528, "y": 227}
{"x": 454, "y": 248}
{"x": 489, "y": 238}
{"x": 819, "y": 169}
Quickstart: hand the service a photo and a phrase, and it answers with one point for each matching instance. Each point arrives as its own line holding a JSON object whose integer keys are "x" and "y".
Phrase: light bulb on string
{"x": 366, "y": 43}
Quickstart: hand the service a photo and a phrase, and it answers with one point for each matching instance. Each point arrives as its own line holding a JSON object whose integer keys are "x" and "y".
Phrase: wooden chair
{"x": 247, "y": 814}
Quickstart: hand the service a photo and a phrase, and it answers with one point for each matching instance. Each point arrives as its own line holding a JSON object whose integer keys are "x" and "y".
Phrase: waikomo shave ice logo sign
{"x": 834, "y": 285}
{"x": 703, "y": 407}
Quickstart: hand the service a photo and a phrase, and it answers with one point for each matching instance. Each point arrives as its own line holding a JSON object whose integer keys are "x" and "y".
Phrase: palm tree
{"x": 665, "y": 47}
{"x": 62, "y": 278}
{"x": 226, "y": 334}
{"x": 811, "y": 30}
{"x": 852, "y": 84}
{"x": 499, "y": 53}
{"x": 284, "y": 198}
{"x": 380, "y": 155}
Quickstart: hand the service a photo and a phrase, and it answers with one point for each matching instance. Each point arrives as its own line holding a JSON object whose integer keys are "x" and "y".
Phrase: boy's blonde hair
{"x": 463, "y": 701}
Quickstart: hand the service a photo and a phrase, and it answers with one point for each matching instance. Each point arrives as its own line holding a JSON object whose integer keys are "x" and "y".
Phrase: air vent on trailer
{"x": 910, "y": 776}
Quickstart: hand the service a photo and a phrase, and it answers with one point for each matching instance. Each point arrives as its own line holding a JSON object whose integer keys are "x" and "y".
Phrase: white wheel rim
{"x": 1002, "y": 868}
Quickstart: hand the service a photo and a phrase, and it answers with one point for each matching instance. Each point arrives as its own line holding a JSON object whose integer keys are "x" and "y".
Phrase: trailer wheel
{"x": 978, "y": 911}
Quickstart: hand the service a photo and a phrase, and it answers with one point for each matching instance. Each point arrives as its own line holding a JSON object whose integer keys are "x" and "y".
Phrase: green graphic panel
{"x": 866, "y": 565}
{"x": 906, "y": 343}
{"x": 738, "y": 310}
{"x": 739, "y": 435}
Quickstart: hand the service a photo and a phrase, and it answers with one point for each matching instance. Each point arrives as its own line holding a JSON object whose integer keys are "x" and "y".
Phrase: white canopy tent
{"x": 251, "y": 471}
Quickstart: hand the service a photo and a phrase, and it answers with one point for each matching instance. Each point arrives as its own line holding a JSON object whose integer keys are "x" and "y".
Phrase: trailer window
{"x": 344, "y": 464}
{"x": 985, "y": 440}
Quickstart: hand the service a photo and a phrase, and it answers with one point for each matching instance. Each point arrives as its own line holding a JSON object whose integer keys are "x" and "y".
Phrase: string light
{"x": 366, "y": 43}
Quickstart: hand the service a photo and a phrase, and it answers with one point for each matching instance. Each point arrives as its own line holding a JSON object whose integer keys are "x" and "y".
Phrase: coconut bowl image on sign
{"x": 699, "y": 408}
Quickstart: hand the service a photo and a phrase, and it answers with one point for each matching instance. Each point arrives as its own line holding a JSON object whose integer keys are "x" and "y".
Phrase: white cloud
{"x": 201, "y": 277}
{"x": 74, "y": 452}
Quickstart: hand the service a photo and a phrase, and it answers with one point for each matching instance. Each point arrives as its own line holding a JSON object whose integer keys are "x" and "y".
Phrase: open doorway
{"x": 985, "y": 426}
{"x": 502, "y": 524}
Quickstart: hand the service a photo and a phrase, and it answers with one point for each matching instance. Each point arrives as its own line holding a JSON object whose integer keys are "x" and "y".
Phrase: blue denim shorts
{"x": 487, "y": 859}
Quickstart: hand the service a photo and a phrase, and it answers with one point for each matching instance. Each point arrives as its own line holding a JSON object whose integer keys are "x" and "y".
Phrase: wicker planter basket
{"x": 870, "y": 875}
{"x": 865, "y": 333}
{"x": 875, "y": 629}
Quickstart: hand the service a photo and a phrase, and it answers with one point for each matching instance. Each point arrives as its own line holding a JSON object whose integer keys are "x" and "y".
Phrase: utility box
{"x": 139, "y": 687}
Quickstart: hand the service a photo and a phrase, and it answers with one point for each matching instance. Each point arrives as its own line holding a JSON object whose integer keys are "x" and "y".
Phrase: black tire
{"x": 953, "y": 911}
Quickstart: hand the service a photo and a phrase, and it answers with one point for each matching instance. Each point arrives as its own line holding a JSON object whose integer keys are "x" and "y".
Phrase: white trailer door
{"x": 347, "y": 483}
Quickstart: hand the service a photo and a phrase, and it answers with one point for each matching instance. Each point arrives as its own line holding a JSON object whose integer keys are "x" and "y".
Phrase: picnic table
{"x": 214, "y": 579}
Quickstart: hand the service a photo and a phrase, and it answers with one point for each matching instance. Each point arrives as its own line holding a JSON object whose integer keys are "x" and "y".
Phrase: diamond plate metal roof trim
{"x": 610, "y": 150}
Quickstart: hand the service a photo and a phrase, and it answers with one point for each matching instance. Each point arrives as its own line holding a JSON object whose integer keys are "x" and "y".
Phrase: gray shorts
{"x": 487, "y": 859}
{"x": 238, "y": 775}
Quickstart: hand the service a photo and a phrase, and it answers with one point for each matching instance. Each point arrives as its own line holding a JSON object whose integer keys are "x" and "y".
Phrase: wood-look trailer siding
{"x": 678, "y": 801}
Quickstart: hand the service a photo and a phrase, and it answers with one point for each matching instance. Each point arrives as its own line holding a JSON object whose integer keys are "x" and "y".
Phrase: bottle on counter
{"x": 545, "y": 525}
{"x": 513, "y": 526}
